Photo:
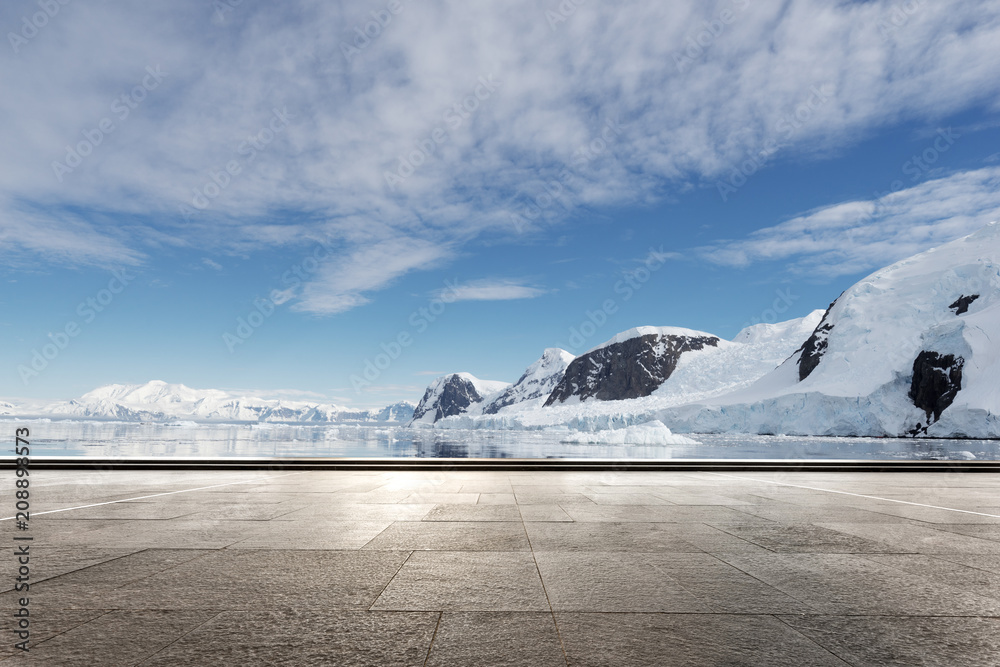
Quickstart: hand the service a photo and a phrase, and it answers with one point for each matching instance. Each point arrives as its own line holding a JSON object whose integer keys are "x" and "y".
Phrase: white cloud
{"x": 212, "y": 264}
{"x": 350, "y": 121}
{"x": 63, "y": 238}
{"x": 489, "y": 290}
{"x": 341, "y": 284}
{"x": 856, "y": 236}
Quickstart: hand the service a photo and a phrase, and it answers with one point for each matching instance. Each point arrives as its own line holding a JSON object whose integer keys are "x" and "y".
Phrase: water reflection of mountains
{"x": 188, "y": 439}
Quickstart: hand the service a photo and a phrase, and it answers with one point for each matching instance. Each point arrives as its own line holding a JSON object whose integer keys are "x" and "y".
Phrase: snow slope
{"x": 535, "y": 384}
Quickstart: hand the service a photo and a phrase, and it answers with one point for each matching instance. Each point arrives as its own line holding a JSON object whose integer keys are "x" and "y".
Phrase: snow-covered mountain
{"x": 536, "y": 383}
{"x": 162, "y": 401}
{"x": 454, "y": 394}
{"x": 912, "y": 349}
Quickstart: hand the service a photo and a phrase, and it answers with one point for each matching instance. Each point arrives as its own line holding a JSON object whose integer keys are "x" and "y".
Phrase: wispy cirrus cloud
{"x": 857, "y": 236}
{"x": 489, "y": 290}
{"x": 343, "y": 285}
{"x": 66, "y": 238}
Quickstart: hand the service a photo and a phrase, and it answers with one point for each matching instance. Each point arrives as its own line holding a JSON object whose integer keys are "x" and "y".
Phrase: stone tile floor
{"x": 466, "y": 568}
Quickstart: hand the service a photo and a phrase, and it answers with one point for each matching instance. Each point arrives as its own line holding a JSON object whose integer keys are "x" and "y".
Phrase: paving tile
{"x": 895, "y": 641}
{"x": 613, "y": 582}
{"x": 593, "y": 513}
{"x": 193, "y": 533}
{"x": 465, "y": 581}
{"x": 303, "y": 638}
{"x": 962, "y": 577}
{"x": 987, "y": 563}
{"x": 251, "y": 511}
{"x": 543, "y": 513}
{"x": 360, "y": 512}
{"x": 497, "y": 639}
{"x": 807, "y": 538}
{"x": 442, "y": 498}
{"x": 45, "y": 624}
{"x": 473, "y": 513}
{"x": 332, "y": 535}
{"x": 707, "y": 499}
{"x": 842, "y": 584}
{"x": 932, "y": 515}
{"x": 548, "y": 498}
{"x": 910, "y": 538}
{"x": 657, "y": 489}
{"x": 113, "y": 639}
{"x": 119, "y": 572}
{"x": 132, "y": 510}
{"x": 725, "y": 588}
{"x": 785, "y": 513}
{"x": 703, "y": 640}
{"x": 487, "y": 487}
{"x": 978, "y": 530}
{"x": 496, "y": 499}
{"x": 713, "y": 539}
{"x": 706, "y": 514}
{"x": 238, "y": 580}
{"x": 47, "y": 560}
{"x": 452, "y": 536}
{"x": 629, "y": 537}
{"x": 626, "y": 499}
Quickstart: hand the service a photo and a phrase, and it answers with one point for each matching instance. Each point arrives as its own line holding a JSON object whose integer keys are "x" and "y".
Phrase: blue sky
{"x": 479, "y": 182}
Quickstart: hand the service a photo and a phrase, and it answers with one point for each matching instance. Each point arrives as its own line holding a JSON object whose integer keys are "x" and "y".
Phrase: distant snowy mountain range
{"x": 160, "y": 401}
{"x": 913, "y": 349}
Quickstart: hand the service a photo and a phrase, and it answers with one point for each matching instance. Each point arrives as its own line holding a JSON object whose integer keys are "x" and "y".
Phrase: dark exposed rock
{"x": 812, "y": 350}
{"x": 937, "y": 378}
{"x": 962, "y": 303}
{"x": 453, "y": 397}
{"x": 537, "y": 381}
{"x": 629, "y": 369}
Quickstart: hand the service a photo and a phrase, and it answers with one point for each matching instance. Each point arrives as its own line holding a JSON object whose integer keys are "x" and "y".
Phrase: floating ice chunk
{"x": 647, "y": 433}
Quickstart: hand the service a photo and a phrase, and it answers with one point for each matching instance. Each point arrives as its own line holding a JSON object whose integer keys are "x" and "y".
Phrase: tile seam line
{"x": 157, "y": 495}
{"x": 812, "y": 641}
{"x": 395, "y": 574}
{"x": 430, "y": 647}
{"x": 79, "y": 625}
{"x": 856, "y": 495}
{"x": 183, "y": 636}
{"x": 545, "y": 591}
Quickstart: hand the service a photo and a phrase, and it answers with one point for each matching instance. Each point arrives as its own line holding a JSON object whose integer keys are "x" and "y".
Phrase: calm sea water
{"x": 186, "y": 439}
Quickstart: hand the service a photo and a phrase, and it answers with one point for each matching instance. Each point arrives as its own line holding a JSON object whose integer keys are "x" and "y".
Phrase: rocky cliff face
{"x": 937, "y": 379}
{"x": 812, "y": 350}
{"x": 455, "y": 394}
{"x": 632, "y": 365}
